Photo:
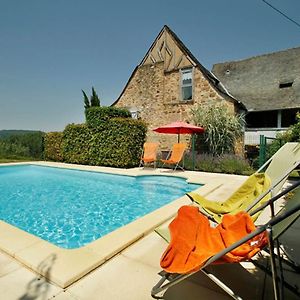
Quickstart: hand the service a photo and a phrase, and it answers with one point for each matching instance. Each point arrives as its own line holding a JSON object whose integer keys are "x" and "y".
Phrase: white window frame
{"x": 182, "y": 85}
{"x": 135, "y": 113}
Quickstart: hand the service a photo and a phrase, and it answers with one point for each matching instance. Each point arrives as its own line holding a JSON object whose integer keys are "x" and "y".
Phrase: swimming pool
{"x": 72, "y": 208}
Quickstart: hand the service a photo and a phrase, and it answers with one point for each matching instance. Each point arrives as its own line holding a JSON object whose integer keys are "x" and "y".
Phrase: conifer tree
{"x": 86, "y": 100}
{"x": 95, "y": 101}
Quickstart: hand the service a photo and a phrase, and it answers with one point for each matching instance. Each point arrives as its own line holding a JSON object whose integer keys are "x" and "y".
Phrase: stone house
{"x": 269, "y": 87}
{"x": 167, "y": 84}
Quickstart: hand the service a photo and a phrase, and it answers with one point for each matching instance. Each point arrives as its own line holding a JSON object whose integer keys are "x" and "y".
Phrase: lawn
{"x": 8, "y": 160}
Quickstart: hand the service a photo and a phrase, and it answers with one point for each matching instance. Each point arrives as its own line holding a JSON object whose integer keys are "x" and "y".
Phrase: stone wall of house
{"x": 156, "y": 95}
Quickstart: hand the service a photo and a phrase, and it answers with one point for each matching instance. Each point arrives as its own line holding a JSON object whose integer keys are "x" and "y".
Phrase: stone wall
{"x": 157, "y": 96}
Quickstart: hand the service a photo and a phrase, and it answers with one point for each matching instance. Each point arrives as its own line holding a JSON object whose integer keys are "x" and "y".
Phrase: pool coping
{"x": 65, "y": 266}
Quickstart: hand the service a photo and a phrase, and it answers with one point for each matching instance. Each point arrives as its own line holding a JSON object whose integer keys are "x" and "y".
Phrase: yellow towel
{"x": 254, "y": 186}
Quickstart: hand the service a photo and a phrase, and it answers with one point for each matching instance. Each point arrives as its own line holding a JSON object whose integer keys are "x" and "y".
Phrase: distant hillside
{"x": 7, "y": 133}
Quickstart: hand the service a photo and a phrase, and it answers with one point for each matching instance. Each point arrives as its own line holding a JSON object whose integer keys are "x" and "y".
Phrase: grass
{"x": 15, "y": 159}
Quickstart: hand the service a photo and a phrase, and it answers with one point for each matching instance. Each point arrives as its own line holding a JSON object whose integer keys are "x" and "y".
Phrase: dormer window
{"x": 284, "y": 85}
{"x": 187, "y": 84}
{"x": 135, "y": 114}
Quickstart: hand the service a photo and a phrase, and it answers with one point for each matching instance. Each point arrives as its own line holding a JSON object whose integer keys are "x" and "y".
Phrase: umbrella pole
{"x": 193, "y": 152}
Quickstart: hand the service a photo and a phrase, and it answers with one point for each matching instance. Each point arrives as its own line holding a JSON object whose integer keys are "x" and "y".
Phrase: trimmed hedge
{"x": 75, "y": 145}
{"x": 96, "y": 115}
{"x": 117, "y": 142}
{"x": 53, "y": 146}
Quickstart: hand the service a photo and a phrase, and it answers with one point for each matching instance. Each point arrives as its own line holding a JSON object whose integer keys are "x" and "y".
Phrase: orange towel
{"x": 194, "y": 241}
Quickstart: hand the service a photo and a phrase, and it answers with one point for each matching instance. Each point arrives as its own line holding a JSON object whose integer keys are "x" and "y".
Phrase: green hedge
{"x": 53, "y": 146}
{"x": 96, "y": 115}
{"x": 116, "y": 143}
{"x": 75, "y": 145}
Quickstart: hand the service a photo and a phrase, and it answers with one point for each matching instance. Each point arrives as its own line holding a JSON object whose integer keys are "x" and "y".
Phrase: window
{"x": 272, "y": 119}
{"x": 187, "y": 84}
{"x": 135, "y": 114}
{"x": 262, "y": 119}
{"x": 284, "y": 85}
{"x": 288, "y": 117}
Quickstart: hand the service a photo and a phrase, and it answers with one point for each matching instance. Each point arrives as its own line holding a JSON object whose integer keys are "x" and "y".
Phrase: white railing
{"x": 252, "y": 135}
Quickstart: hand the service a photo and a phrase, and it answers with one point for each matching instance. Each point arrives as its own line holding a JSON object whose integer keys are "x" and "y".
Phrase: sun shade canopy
{"x": 179, "y": 128}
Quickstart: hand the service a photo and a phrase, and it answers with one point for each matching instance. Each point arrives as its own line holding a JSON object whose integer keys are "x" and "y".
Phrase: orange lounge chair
{"x": 194, "y": 245}
{"x": 176, "y": 155}
{"x": 149, "y": 154}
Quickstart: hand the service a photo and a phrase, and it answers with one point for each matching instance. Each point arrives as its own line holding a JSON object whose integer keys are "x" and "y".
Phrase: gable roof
{"x": 175, "y": 59}
{"x": 256, "y": 81}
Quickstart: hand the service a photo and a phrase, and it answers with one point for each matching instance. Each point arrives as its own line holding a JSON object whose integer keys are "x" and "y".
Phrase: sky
{"x": 52, "y": 49}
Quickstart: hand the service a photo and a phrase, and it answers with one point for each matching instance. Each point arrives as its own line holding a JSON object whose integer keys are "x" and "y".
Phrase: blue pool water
{"x": 72, "y": 208}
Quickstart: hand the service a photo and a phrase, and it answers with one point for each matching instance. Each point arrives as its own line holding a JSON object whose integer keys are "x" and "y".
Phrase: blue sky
{"x": 51, "y": 49}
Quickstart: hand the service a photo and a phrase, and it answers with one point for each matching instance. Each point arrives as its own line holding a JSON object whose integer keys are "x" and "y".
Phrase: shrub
{"x": 234, "y": 164}
{"x": 116, "y": 143}
{"x": 295, "y": 130}
{"x": 291, "y": 135}
{"x": 95, "y": 116}
{"x": 222, "y": 127}
{"x": 53, "y": 146}
{"x": 227, "y": 163}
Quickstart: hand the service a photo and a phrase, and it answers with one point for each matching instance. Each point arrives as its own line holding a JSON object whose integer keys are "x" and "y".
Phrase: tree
{"x": 86, "y": 100}
{"x": 94, "y": 99}
{"x": 23, "y": 145}
{"x": 222, "y": 127}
